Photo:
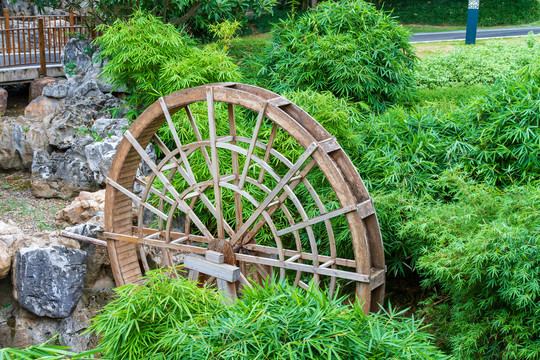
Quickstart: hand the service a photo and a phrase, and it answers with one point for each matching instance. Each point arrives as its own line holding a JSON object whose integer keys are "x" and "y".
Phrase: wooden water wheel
{"x": 257, "y": 207}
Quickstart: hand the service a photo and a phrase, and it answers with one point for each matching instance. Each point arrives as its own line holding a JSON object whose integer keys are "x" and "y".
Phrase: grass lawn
{"x": 426, "y": 49}
{"x": 415, "y": 28}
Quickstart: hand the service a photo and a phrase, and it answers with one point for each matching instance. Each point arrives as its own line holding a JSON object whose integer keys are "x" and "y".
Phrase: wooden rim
{"x": 321, "y": 150}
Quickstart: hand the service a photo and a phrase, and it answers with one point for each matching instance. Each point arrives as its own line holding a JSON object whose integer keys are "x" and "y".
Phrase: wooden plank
{"x": 214, "y": 256}
{"x": 220, "y": 271}
{"x": 303, "y": 267}
{"x": 181, "y": 204}
{"x": 197, "y": 134}
{"x": 279, "y": 101}
{"x": 317, "y": 219}
{"x": 136, "y": 199}
{"x": 227, "y": 289}
{"x": 174, "y": 235}
{"x": 156, "y": 243}
{"x": 304, "y": 255}
{"x": 378, "y": 278}
{"x": 177, "y": 141}
{"x": 329, "y": 145}
{"x": 235, "y": 168}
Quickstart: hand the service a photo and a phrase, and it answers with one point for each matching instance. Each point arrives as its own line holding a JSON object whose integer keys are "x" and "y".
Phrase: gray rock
{"x": 19, "y": 138}
{"x": 57, "y": 90}
{"x": 50, "y": 281}
{"x": 43, "y": 106}
{"x": 62, "y": 175}
{"x": 88, "y": 88}
{"x": 105, "y": 127}
{"x": 78, "y": 55}
{"x": 77, "y": 118}
{"x": 3, "y": 100}
{"x": 86, "y": 229}
{"x": 100, "y": 157}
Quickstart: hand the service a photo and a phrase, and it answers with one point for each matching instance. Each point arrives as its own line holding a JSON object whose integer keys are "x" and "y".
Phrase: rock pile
{"x": 70, "y": 131}
{"x": 56, "y": 286}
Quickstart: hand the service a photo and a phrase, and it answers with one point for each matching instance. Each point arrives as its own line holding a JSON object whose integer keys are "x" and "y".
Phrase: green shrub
{"x": 152, "y": 59}
{"x": 454, "y": 12}
{"x": 174, "y": 319}
{"x": 451, "y": 96}
{"x": 481, "y": 249}
{"x": 348, "y": 48}
{"x": 495, "y": 139}
{"x": 504, "y": 128}
{"x": 473, "y": 65}
{"x": 45, "y": 351}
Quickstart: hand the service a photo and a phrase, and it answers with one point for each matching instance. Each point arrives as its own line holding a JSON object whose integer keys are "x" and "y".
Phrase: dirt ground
{"x": 17, "y": 203}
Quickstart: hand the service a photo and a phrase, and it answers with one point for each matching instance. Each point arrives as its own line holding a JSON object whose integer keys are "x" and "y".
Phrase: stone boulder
{"x": 49, "y": 281}
{"x": 43, "y": 106}
{"x": 5, "y": 260}
{"x": 62, "y": 174}
{"x": 105, "y": 127}
{"x": 100, "y": 157}
{"x": 19, "y": 138}
{"x": 15, "y": 239}
{"x": 86, "y": 65}
{"x": 58, "y": 90}
{"x": 37, "y": 87}
{"x": 77, "y": 117}
{"x": 3, "y": 101}
{"x": 83, "y": 209}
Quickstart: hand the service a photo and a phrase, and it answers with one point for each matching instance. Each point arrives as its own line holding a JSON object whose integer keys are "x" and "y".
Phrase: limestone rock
{"x": 88, "y": 88}
{"x": 37, "y": 86}
{"x": 3, "y": 100}
{"x": 61, "y": 175}
{"x": 100, "y": 157}
{"x": 105, "y": 127}
{"x": 78, "y": 115}
{"x": 9, "y": 233}
{"x": 83, "y": 208}
{"x": 80, "y": 53}
{"x": 15, "y": 239}
{"x": 58, "y": 90}
{"x": 19, "y": 138}
{"x": 97, "y": 256}
{"x": 42, "y": 106}
{"x": 5, "y": 260}
{"x": 49, "y": 282}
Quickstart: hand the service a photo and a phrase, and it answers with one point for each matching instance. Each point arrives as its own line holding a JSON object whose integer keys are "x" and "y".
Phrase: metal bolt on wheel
{"x": 256, "y": 206}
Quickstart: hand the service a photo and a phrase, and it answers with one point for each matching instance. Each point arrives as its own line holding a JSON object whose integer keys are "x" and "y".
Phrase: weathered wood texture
{"x": 238, "y": 242}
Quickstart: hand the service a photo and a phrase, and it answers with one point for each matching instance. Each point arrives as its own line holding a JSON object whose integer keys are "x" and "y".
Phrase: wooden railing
{"x": 38, "y": 40}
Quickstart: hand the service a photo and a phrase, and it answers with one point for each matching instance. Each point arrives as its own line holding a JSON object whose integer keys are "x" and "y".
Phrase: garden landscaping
{"x": 448, "y": 146}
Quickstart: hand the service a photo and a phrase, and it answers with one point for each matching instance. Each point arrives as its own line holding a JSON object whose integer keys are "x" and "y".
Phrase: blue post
{"x": 472, "y": 22}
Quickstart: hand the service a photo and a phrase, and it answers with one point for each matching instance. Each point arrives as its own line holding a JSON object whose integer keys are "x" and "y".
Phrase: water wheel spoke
{"x": 268, "y": 150}
{"x": 166, "y": 183}
{"x": 214, "y": 170}
{"x": 235, "y": 167}
{"x": 252, "y": 144}
{"x": 174, "y": 133}
{"x": 197, "y": 134}
{"x": 137, "y": 200}
{"x": 275, "y": 191}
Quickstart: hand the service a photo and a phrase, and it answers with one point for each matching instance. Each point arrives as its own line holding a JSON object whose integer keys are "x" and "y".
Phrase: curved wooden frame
{"x": 321, "y": 150}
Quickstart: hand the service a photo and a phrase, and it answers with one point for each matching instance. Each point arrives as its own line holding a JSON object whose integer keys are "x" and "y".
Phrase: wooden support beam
{"x": 219, "y": 271}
